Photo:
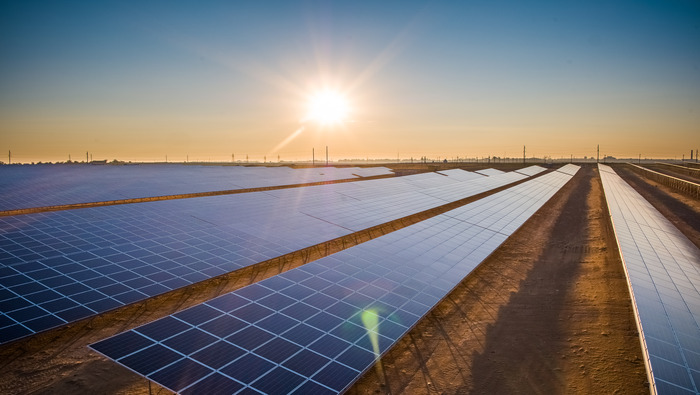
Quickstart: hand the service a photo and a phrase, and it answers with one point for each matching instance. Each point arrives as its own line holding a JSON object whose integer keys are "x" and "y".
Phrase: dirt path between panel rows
{"x": 547, "y": 313}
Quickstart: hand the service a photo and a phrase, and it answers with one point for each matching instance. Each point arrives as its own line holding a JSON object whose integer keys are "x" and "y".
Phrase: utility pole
{"x": 523, "y": 154}
{"x": 326, "y": 156}
{"x": 246, "y": 158}
{"x": 90, "y": 157}
{"x": 313, "y": 156}
{"x": 597, "y": 156}
{"x": 640, "y": 159}
{"x": 86, "y": 157}
{"x": 9, "y": 157}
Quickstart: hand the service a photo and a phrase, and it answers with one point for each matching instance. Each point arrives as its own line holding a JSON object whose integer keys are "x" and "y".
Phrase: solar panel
{"x": 59, "y": 267}
{"x": 531, "y": 170}
{"x": 317, "y": 328}
{"x": 489, "y": 172}
{"x": 569, "y": 169}
{"x": 38, "y": 186}
{"x": 372, "y": 171}
{"x": 663, "y": 272}
{"x": 460, "y": 175}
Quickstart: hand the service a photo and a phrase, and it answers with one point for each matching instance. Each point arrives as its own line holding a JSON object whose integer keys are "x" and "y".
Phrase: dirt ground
{"x": 548, "y": 313}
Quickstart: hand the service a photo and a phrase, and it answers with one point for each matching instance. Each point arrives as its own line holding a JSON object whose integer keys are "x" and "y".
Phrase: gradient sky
{"x": 139, "y": 80}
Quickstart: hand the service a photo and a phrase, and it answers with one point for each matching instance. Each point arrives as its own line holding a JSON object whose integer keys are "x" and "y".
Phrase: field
{"x": 548, "y": 312}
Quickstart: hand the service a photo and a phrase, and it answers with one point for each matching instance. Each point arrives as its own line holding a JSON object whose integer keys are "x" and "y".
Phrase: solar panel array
{"x": 531, "y": 171}
{"x": 489, "y": 172}
{"x": 663, "y": 271}
{"x": 50, "y": 185}
{"x": 59, "y": 267}
{"x": 315, "y": 329}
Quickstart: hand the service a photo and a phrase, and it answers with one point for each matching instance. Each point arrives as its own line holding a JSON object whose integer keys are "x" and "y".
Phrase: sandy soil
{"x": 549, "y": 312}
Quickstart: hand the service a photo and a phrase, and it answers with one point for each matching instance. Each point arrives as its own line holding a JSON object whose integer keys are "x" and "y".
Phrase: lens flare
{"x": 370, "y": 319}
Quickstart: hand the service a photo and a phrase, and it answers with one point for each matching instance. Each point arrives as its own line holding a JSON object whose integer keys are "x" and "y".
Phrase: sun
{"x": 327, "y": 108}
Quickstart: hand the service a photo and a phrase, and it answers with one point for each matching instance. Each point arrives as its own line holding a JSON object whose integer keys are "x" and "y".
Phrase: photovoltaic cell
{"x": 59, "y": 267}
{"x": 335, "y": 333}
{"x": 663, "y": 273}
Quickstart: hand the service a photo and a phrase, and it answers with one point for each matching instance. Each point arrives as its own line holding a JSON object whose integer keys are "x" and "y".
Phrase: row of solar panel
{"x": 317, "y": 328}
{"x": 59, "y": 267}
{"x": 663, "y": 270}
{"x": 39, "y": 186}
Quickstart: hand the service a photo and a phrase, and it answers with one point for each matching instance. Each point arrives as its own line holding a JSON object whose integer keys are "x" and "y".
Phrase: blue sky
{"x": 141, "y": 80}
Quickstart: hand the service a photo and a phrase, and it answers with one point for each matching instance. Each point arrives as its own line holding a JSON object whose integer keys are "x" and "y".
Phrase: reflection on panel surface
{"x": 316, "y": 328}
{"x": 663, "y": 270}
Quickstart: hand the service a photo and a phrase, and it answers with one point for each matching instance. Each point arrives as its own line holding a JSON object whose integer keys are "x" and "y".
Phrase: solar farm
{"x": 553, "y": 278}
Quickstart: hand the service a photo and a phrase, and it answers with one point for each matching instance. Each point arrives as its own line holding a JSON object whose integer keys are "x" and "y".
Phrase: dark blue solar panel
{"x": 278, "y": 381}
{"x": 180, "y": 374}
{"x": 277, "y": 350}
{"x": 163, "y": 329}
{"x": 198, "y": 314}
{"x": 250, "y": 337}
{"x": 190, "y": 341}
{"x": 303, "y": 334}
{"x": 276, "y": 323}
{"x": 248, "y": 368}
{"x": 218, "y": 354}
{"x": 123, "y": 345}
{"x": 150, "y": 359}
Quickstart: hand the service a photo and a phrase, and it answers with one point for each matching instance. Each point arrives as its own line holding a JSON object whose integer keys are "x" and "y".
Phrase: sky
{"x": 216, "y": 80}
